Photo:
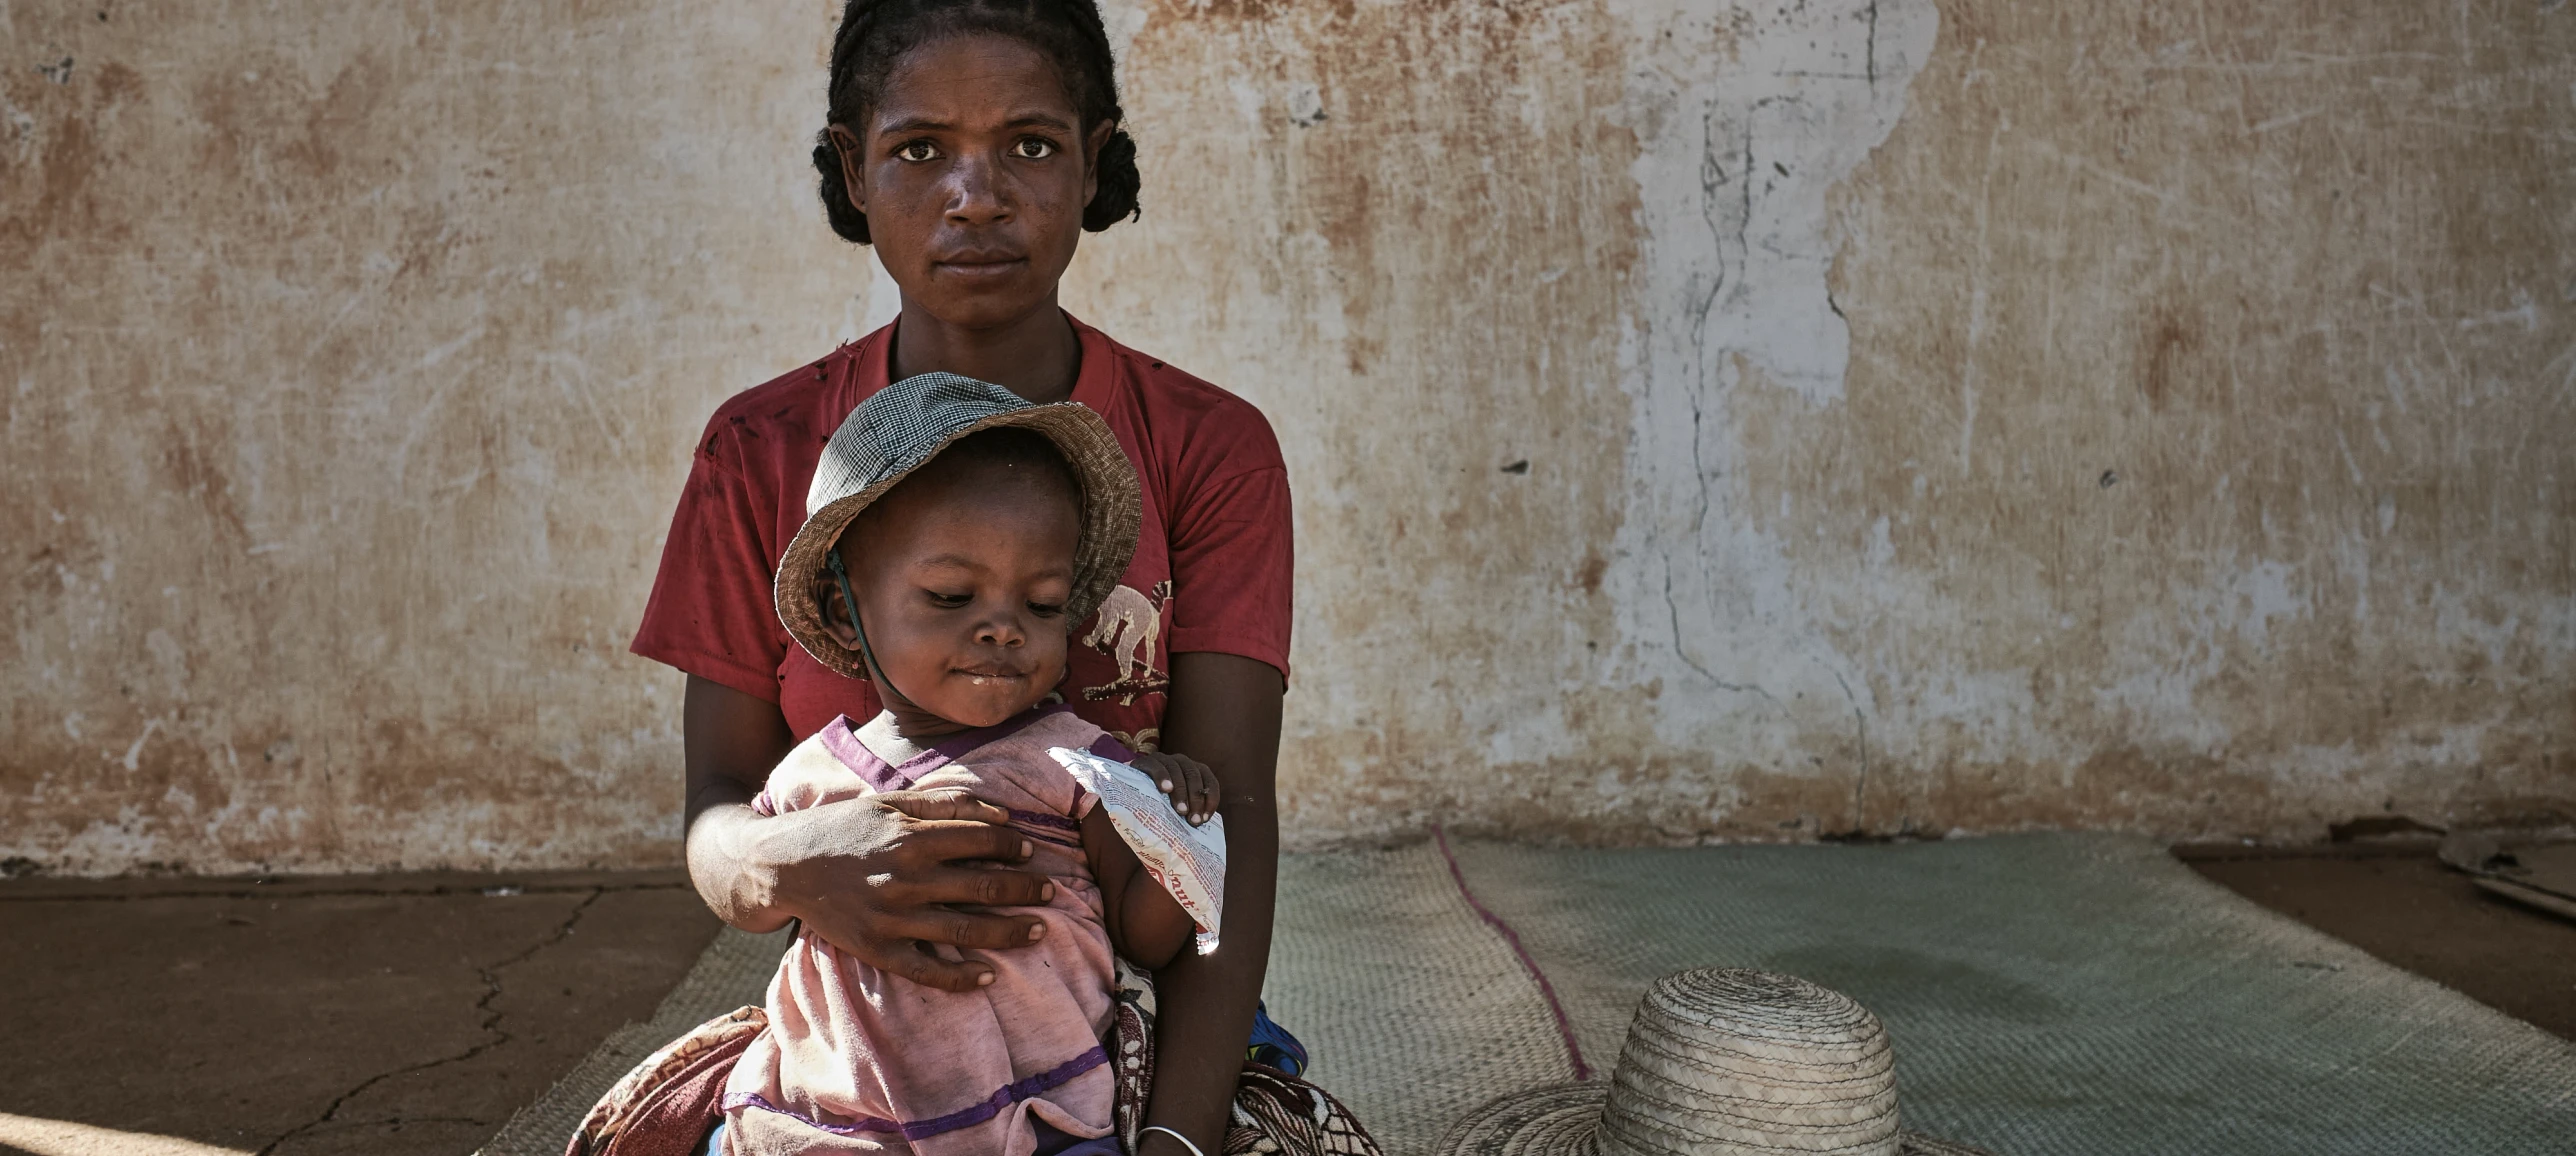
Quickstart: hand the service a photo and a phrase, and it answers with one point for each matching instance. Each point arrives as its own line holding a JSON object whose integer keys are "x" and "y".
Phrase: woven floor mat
{"x": 1414, "y": 1009}
{"x": 2047, "y": 994}
{"x": 2056, "y": 994}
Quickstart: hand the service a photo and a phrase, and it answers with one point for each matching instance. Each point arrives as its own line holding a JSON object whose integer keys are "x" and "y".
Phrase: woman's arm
{"x": 876, "y": 877}
{"x": 1223, "y": 711}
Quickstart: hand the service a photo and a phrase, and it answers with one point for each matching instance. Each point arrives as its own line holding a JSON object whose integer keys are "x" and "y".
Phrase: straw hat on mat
{"x": 907, "y": 423}
{"x": 1719, "y": 1062}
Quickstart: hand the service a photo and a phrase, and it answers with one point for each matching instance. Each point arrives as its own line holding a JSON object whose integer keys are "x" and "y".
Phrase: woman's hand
{"x": 882, "y": 878}
{"x": 1192, "y": 786}
{"x": 879, "y": 878}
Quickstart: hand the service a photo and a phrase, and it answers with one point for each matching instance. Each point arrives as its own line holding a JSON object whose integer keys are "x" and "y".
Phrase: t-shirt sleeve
{"x": 712, "y": 613}
{"x": 1232, "y": 557}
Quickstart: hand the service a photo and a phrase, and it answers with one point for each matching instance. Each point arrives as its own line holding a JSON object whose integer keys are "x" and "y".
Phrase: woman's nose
{"x": 978, "y": 192}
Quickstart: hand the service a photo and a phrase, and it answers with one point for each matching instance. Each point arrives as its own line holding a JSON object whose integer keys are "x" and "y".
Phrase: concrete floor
{"x": 313, "y": 1017}
{"x": 2401, "y": 904}
{"x": 402, "y": 1015}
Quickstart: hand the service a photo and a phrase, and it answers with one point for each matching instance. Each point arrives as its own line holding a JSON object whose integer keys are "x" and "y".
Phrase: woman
{"x": 972, "y": 143}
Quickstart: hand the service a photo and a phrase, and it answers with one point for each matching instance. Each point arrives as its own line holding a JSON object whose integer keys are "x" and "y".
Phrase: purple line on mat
{"x": 1564, "y": 1026}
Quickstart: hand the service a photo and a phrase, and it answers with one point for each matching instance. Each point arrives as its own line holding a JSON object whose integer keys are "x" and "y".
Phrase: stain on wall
{"x": 1739, "y": 421}
{"x": 351, "y": 360}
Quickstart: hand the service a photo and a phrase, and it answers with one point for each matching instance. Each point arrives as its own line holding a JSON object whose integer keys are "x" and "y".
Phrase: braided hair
{"x": 875, "y": 34}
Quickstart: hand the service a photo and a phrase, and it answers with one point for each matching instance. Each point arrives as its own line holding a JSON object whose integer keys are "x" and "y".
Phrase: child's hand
{"x": 1188, "y": 781}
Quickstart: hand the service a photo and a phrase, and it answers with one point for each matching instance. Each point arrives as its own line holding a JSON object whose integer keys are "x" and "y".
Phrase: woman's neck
{"x": 1036, "y": 356}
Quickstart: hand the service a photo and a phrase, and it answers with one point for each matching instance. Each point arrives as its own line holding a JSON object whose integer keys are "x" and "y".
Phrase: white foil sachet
{"x": 1188, "y": 861}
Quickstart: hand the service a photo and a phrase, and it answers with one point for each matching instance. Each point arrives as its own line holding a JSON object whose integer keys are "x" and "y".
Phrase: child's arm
{"x": 1146, "y": 925}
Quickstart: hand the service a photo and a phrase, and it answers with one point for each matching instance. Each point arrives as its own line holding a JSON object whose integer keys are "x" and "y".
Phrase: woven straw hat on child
{"x": 908, "y": 423}
{"x": 1719, "y": 1062}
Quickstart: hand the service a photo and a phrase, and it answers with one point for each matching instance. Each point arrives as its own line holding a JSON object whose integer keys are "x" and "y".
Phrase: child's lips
{"x": 992, "y": 673}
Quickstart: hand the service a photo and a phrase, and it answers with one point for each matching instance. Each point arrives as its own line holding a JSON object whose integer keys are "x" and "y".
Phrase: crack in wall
{"x": 1860, "y": 723}
{"x": 490, "y": 974}
{"x": 1736, "y": 318}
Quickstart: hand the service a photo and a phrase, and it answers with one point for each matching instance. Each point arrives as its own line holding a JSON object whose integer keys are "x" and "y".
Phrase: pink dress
{"x": 857, "y": 1060}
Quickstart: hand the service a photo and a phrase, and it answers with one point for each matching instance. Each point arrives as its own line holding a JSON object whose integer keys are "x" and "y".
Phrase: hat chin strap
{"x": 841, "y": 574}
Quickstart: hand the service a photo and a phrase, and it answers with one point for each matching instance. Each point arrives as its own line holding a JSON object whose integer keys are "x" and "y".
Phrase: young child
{"x": 955, "y": 534}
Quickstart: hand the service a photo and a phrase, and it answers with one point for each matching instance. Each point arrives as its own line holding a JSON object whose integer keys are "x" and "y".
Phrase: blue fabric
{"x": 1271, "y": 1046}
{"x": 1053, "y": 1141}
{"x": 714, "y": 1143}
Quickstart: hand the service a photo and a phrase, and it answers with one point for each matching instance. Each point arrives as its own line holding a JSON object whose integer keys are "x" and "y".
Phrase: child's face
{"x": 961, "y": 577}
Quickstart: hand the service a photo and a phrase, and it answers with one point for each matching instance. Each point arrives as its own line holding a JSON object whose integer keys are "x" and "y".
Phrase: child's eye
{"x": 949, "y": 601}
{"x": 1033, "y": 148}
{"x": 917, "y": 150}
{"x": 1046, "y": 609}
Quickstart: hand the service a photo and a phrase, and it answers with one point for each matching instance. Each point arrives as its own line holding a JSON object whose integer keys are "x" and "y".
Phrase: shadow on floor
{"x": 379, "y": 1014}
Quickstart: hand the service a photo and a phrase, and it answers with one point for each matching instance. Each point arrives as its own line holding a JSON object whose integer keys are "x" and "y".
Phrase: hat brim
{"x": 1565, "y": 1120}
{"x": 1112, "y": 512}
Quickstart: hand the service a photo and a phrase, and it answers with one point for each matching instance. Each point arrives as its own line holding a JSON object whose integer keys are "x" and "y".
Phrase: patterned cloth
{"x": 667, "y": 1104}
{"x": 1275, "y": 1114}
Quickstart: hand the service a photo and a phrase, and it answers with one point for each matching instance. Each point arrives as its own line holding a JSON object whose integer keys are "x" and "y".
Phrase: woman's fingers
{"x": 916, "y": 962}
{"x": 950, "y": 803}
{"x": 925, "y": 845}
{"x": 963, "y": 928}
{"x": 968, "y": 887}
{"x": 881, "y": 877}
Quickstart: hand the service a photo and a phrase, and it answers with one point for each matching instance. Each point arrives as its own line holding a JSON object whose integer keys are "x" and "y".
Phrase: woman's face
{"x": 973, "y": 171}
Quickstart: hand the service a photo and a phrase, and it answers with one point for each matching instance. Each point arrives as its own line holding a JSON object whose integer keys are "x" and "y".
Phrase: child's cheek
{"x": 1055, "y": 660}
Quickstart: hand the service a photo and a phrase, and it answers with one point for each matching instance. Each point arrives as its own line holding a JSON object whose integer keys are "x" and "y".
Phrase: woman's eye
{"x": 1033, "y": 148}
{"x": 916, "y": 150}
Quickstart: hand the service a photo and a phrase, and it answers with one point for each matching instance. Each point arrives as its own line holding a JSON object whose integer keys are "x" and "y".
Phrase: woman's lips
{"x": 982, "y": 264}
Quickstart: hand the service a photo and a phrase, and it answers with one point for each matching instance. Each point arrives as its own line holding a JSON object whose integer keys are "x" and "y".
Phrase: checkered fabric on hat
{"x": 908, "y": 423}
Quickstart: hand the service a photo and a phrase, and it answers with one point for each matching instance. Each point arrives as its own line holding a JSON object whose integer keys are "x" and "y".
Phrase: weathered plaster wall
{"x": 2135, "y": 414}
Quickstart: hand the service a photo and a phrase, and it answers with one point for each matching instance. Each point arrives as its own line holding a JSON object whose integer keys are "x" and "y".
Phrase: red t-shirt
{"x": 1210, "y": 573}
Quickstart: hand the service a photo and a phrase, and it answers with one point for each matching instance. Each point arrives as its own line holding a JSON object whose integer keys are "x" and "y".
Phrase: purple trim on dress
{"x": 992, "y": 1106}
{"x": 951, "y": 748}
{"x": 844, "y": 744}
{"x": 1010, "y": 1094}
{"x": 1108, "y": 747}
{"x": 737, "y": 1101}
{"x": 842, "y": 740}
{"x": 1043, "y": 819}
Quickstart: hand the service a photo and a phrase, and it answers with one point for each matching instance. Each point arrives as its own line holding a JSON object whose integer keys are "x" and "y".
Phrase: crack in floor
{"x": 491, "y": 977}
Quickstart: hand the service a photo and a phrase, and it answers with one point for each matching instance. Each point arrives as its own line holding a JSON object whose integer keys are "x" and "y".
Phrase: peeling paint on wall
{"x": 1740, "y": 420}
{"x": 1996, "y": 422}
